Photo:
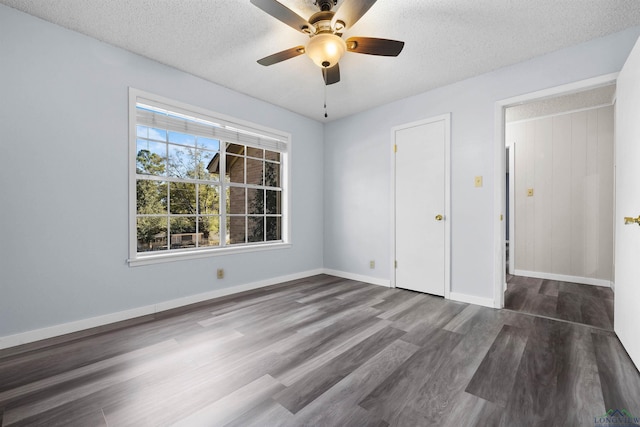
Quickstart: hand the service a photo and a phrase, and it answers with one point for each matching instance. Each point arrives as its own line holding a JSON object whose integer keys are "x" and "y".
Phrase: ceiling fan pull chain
{"x": 325, "y": 101}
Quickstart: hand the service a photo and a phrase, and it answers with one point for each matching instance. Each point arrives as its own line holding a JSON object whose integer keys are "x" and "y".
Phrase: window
{"x": 202, "y": 183}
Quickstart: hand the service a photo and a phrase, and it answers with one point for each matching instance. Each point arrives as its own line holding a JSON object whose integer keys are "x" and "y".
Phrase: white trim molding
{"x": 499, "y": 199}
{"x": 564, "y": 278}
{"x": 358, "y": 277}
{"x": 472, "y": 299}
{"x": 93, "y": 322}
{"x": 107, "y": 319}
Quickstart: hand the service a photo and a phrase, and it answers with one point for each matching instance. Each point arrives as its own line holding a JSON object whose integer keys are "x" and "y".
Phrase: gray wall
{"x": 357, "y": 162}
{"x": 64, "y": 176}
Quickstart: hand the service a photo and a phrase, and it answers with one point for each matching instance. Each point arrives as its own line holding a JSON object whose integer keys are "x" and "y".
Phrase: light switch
{"x": 478, "y": 181}
{"x": 529, "y": 192}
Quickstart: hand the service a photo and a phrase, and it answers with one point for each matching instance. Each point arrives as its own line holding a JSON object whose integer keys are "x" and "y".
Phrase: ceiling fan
{"x": 324, "y": 28}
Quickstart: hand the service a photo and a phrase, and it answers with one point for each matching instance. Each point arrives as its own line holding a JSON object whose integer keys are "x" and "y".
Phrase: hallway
{"x": 584, "y": 304}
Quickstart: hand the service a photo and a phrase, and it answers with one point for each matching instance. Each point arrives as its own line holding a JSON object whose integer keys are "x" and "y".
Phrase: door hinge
{"x": 395, "y": 148}
{"x": 395, "y": 264}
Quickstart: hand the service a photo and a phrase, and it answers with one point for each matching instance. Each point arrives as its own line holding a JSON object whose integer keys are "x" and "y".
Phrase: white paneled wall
{"x": 564, "y": 231}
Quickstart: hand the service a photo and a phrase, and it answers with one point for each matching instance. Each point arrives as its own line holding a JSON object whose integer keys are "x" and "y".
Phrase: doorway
{"x": 558, "y": 200}
{"x": 420, "y": 216}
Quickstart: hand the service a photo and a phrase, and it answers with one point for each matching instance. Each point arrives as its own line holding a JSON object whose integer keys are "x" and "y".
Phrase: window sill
{"x": 158, "y": 258}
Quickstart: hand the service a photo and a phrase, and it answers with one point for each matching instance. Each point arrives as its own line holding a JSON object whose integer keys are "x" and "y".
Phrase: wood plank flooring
{"x": 322, "y": 351}
{"x": 586, "y": 304}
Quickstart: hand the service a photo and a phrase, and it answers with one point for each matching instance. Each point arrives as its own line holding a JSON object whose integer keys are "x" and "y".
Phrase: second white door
{"x": 627, "y": 241}
{"x": 421, "y": 231}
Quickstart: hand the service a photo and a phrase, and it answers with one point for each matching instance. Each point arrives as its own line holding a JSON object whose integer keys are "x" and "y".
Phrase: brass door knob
{"x": 438, "y": 217}
{"x": 631, "y": 220}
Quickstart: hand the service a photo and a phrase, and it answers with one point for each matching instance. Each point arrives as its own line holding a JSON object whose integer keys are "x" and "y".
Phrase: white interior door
{"x": 421, "y": 206}
{"x": 627, "y": 241}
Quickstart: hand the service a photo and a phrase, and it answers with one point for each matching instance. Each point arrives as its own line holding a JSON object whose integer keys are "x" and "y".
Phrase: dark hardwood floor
{"x": 323, "y": 351}
{"x": 586, "y": 304}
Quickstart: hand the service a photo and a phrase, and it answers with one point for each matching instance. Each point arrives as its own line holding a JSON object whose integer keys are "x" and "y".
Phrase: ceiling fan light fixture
{"x": 325, "y": 50}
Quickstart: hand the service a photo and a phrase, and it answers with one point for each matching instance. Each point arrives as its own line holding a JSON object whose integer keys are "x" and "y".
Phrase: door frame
{"x": 511, "y": 209}
{"x": 499, "y": 196}
{"x": 447, "y": 197}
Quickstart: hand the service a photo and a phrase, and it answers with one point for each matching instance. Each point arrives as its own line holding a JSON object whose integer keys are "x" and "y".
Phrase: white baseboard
{"x": 93, "y": 322}
{"x": 472, "y": 299}
{"x": 80, "y": 325}
{"x": 358, "y": 277}
{"x": 564, "y": 278}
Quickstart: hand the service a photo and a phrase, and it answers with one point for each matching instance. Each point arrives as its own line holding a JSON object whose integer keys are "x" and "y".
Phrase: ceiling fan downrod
{"x": 326, "y": 5}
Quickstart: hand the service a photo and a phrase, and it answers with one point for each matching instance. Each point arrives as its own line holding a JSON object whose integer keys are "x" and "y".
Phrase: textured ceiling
{"x": 561, "y": 104}
{"x": 446, "y": 41}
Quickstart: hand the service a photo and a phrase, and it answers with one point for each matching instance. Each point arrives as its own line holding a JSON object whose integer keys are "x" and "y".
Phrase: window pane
{"x": 272, "y": 174}
{"x": 236, "y": 226}
{"x": 151, "y": 157}
{"x": 209, "y": 144}
{"x": 182, "y": 198}
{"x": 182, "y": 138}
{"x": 274, "y": 204}
{"x": 274, "y": 228}
{"x": 152, "y": 233}
{"x": 255, "y": 229}
{"x": 209, "y": 231}
{"x": 206, "y": 166}
{"x": 235, "y": 200}
{"x": 159, "y": 134}
{"x": 142, "y": 131}
{"x": 235, "y": 149}
{"x": 181, "y": 161}
{"x": 180, "y": 187}
{"x": 255, "y": 201}
{"x": 208, "y": 199}
{"x": 254, "y": 171}
{"x": 235, "y": 169}
{"x": 255, "y": 152}
{"x": 183, "y": 232}
{"x": 272, "y": 155}
{"x": 151, "y": 197}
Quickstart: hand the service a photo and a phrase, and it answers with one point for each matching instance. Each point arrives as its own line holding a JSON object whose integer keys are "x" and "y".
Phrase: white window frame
{"x": 227, "y": 123}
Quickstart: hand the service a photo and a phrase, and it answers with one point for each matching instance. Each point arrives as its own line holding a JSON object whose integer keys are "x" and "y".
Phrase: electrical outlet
{"x": 220, "y": 273}
{"x": 372, "y": 264}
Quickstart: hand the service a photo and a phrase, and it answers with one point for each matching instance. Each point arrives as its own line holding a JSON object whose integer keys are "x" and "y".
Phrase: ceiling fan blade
{"x": 373, "y": 46}
{"x": 351, "y": 11}
{"x": 331, "y": 75}
{"x": 281, "y": 56}
{"x": 282, "y": 13}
